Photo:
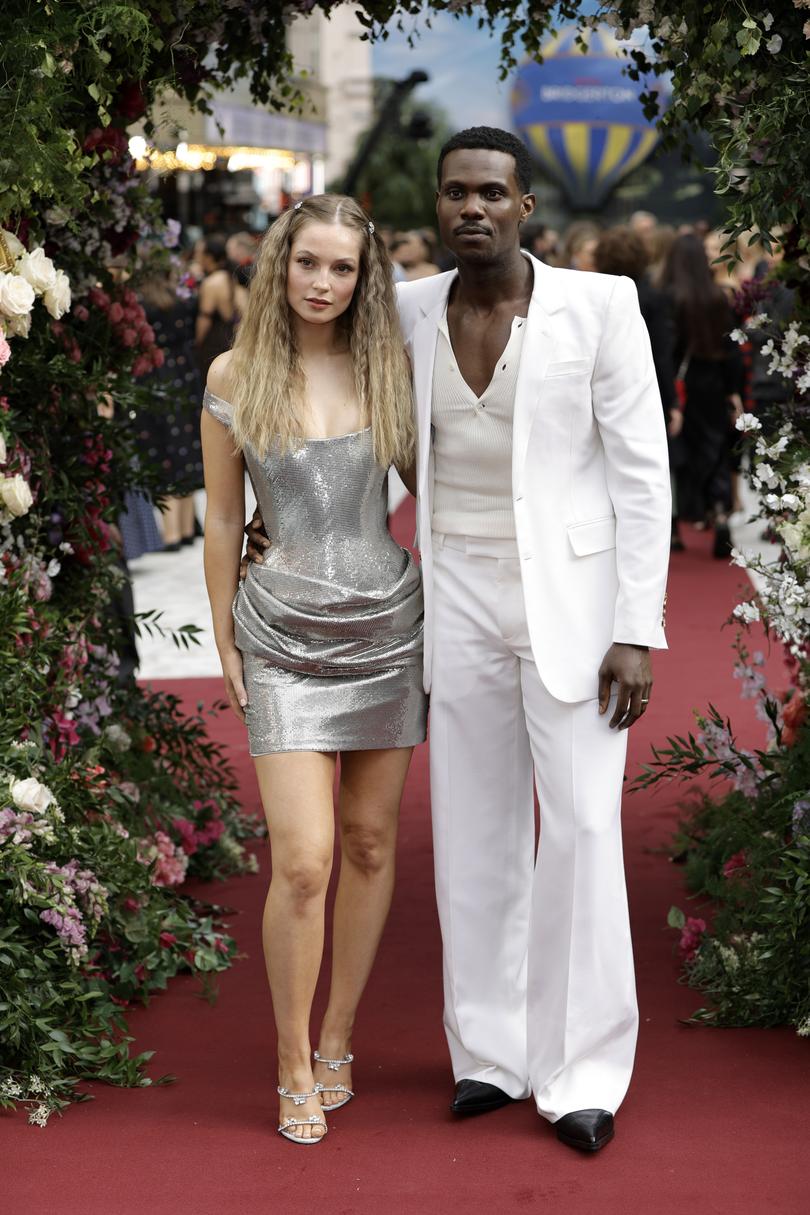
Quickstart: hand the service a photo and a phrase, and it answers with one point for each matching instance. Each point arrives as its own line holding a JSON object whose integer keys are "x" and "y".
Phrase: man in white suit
{"x": 544, "y": 519}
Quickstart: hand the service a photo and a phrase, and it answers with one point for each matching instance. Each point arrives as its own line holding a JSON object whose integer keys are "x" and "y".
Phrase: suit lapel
{"x": 423, "y": 346}
{"x": 535, "y": 357}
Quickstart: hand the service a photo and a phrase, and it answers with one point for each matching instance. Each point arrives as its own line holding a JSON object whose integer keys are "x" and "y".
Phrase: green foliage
{"x": 747, "y": 855}
{"x": 398, "y": 183}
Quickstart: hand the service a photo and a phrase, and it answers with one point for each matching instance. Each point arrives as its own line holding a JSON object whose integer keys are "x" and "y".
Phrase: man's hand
{"x": 630, "y": 667}
{"x": 257, "y": 544}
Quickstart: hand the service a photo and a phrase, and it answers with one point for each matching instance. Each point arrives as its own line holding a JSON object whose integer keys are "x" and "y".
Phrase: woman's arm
{"x": 224, "y": 521}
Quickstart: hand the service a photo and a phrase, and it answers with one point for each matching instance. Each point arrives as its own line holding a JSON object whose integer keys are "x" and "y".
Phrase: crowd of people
{"x": 692, "y": 298}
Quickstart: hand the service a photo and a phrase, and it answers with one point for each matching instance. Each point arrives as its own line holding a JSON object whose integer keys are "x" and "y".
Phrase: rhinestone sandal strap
{"x": 299, "y": 1098}
{"x": 313, "y": 1120}
{"x": 338, "y": 1088}
{"x": 332, "y": 1064}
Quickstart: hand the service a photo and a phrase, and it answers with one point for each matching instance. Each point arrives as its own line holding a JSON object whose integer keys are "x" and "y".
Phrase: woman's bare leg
{"x": 170, "y": 521}
{"x": 187, "y": 517}
{"x": 296, "y": 790}
{"x": 370, "y": 792}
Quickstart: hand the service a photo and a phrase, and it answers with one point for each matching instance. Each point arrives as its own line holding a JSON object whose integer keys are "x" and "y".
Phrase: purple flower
{"x": 801, "y": 818}
{"x": 171, "y": 235}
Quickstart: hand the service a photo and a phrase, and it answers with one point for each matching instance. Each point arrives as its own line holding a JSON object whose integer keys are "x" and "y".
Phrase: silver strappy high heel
{"x": 335, "y": 1065}
{"x": 287, "y": 1125}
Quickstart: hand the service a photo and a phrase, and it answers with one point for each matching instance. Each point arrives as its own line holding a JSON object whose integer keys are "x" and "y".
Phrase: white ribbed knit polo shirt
{"x": 472, "y": 442}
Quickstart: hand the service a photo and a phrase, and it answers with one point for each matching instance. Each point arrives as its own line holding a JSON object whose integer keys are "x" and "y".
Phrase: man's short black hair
{"x": 493, "y": 139}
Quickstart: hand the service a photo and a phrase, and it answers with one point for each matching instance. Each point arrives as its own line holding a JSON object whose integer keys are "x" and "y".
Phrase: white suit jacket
{"x": 590, "y": 470}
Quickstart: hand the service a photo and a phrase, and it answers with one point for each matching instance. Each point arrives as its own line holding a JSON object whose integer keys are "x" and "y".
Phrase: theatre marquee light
{"x": 193, "y": 156}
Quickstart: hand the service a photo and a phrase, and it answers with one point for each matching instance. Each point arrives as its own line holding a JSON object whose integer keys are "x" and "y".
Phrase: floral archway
{"x": 109, "y": 795}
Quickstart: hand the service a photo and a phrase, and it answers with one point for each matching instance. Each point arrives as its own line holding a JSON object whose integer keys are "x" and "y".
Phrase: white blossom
{"x": 57, "y": 298}
{"x": 30, "y": 794}
{"x": 738, "y": 336}
{"x": 790, "y": 502}
{"x": 774, "y": 44}
{"x": 747, "y": 421}
{"x": 38, "y": 270}
{"x": 738, "y": 557}
{"x": 39, "y": 1115}
{"x": 748, "y": 613}
{"x": 15, "y": 495}
{"x": 764, "y": 475}
{"x": 16, "y": 296}
{"x": 767, "y": 21}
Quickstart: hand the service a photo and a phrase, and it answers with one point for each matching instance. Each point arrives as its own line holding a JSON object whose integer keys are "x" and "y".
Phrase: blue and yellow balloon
{"x": 581, "y": 115}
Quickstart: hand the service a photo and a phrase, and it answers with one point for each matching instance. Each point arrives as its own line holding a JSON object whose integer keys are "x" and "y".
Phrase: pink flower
{"x": 188, "y": 835}
{"x": 129, "y": 337}
{"x": 81, "y": 313}
{"x": 735, "y": 863}
{"x": 210, "y": 833}
{"x": 99, "y": 298}
{"x": 132, "y": 905}
{"x": 167, "y": 938}
{"x": 141, "y": 365}
{"x": 116, "y": 314}
{"x": 691, "y": 934}
{"x": 5, "y": 350}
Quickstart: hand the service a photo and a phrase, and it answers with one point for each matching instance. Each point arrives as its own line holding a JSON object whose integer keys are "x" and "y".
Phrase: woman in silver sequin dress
{"x": 321, "y": 645}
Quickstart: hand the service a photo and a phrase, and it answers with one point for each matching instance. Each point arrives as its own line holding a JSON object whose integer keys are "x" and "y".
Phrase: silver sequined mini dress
{"x": 330, "y": 624}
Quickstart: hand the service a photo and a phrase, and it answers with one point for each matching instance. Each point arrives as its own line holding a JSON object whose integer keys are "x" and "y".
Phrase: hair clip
{"x": 370, "y": 228}
{"x": 298, "y": 205}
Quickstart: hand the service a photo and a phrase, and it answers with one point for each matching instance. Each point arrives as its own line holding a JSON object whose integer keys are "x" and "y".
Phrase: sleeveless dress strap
{"x": 218, "y": 408}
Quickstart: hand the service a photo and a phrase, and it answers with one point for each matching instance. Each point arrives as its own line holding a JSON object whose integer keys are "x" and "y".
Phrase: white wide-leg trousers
{"x": 538, "y": 966}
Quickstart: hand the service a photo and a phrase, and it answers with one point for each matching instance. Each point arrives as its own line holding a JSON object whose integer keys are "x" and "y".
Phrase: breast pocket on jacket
{"x": 593, "y": 536}
{"x": 568, "y": 367}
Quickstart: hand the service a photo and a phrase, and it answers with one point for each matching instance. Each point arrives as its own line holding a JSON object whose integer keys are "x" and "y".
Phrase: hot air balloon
{"x": 581, "y": 115}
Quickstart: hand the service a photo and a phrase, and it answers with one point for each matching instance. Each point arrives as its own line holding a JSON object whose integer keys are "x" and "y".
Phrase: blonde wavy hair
{"x": 265, "y": 373}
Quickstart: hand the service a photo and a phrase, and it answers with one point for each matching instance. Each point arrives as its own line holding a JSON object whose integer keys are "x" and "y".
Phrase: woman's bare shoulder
{"x": 219, "y": 376}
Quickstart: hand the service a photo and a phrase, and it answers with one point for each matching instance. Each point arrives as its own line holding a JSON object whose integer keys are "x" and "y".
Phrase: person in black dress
{"x": 221, "y": 304}
{"x": 170, "y": 427}
{"x": 622, "y": 251}
{"x": 710, "y": 368}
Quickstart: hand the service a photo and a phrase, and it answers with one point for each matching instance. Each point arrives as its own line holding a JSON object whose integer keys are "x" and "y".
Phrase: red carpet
{"x": 715, "y": 1121}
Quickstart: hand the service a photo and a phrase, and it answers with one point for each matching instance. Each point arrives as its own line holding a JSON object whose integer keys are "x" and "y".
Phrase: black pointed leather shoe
{"x": 588, "y": 1130}
{"x": 476, "y": 1097}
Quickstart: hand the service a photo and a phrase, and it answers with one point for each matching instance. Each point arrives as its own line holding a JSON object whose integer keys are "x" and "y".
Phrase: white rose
{"x": 15, "y": 247}
{"x": 18, "y": 326}
{"x": 3, "y": 452}
{"x": 57, "y": 298}
{"x": 31, "y": 795}
{"x": 16, "y": 495}
{"x": 38, "y": 270}
{"x": 16, "y": 295}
